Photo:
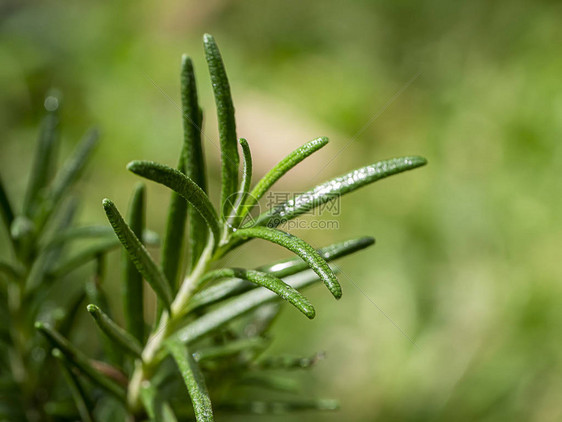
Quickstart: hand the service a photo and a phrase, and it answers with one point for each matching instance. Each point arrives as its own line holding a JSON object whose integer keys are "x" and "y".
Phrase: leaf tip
{"x": 133, "y": 166}
{"x": 107, "y": 203}
{"x": 93, "y": 309}
{"x": 416, "y": 161}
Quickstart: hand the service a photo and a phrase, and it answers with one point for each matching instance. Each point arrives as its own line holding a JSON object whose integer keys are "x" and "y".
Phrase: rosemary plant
{"x": 212, "y": 322}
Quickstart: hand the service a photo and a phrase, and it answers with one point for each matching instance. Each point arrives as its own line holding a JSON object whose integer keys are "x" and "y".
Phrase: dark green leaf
{"x": 183, "y": 185}
{"x": 158, "y": 410}
{"x": 336, "y": 187}
{"x": 280, "y": 169}
{"x": 6, "y": 210}
{"x": 244, "y": 185}
{"x": 193, "y": 379}
{"x": 78, "y": 394}
{"x": 138, "y": 254}
{"x": 115, "y": 333}
{"x": 227, "y": 123}
{"x": 298, "y": 246}
{"x": 279, "y": 287}
{"x": 78, "y": 259}
{"x": 287, "y": 362}
{"x": 77, "y": 359}
{"x": 133, "y": 296}
{"x": 43, "y": 166}
{"x": 231, "y": 348}
{"x": 72, "y": 169}
{"x": 237, "y": 307}
{"x": 277, "y": 407}
{"x": 269, "y": 381}
{"x": 91, "y": 232}
{"x": 329, "y": 253}
{"x": 281, "y": 269}
{"x": 192, "y": 164}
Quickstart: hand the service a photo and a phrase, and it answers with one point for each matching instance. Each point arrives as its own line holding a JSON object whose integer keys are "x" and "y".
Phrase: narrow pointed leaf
{"x": 83, "y": 257}
{"x": 298, "y": 246}
{"x": 287, "y": 362}
{"x": 115, "y": 333}
{"x": 192, "y": 164}
{"x": 138, "y": 254}
{"x": 149, "y": 237}
{"x": 245, "y": 184}
{"x": 231, "y": 348}
{"x": 157, "y": 409}
{"x": 43, "y": 165}
{"x": 268, "y": 381}
{"x": 277, "y": 407}
{"x": 193, "y": 379}
{"x": 279, "y": 287}
{"x": 280, "y": 169}
{"x": 329, "y": 253}
{"x": 72, "y": 169}
{"x": 6, "y": 210}
{"x": 336, "y": 187}
{"x": 12, "y": 273}
{"x": 181, "y": 184}
{"x": 227, "y": 123}
{"x": 82, "y": 402}
{"x": 65, "y": 323}
{"x": 198, "y": 232}
{"x": 77, "y": 359}
{"x": 133, "y": 293}
{"x": 238, "y": 307}
{"x": 96, "y": 293}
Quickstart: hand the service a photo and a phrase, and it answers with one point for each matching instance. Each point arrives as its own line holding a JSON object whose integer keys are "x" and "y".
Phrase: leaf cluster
{"x": 207, "y": 339}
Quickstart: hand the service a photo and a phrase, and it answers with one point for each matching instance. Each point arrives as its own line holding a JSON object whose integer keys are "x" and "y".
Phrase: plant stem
{"x": 156, "y": 340}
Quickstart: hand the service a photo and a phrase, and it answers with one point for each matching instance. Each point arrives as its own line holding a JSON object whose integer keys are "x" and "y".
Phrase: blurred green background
{"x": 467, "y": 261}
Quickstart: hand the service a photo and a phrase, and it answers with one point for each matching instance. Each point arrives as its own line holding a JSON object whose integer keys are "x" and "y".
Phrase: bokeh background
{"x": 467, "y": 261}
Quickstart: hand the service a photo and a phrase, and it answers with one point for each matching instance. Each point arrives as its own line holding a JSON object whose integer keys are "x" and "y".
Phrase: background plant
{"x": 197, "y": 317}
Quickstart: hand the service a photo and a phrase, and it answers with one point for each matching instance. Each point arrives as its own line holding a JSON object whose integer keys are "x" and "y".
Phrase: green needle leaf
{"x": 227, "y": 124}
{"x": 181, "y": 184}
{"x": 43, "y": 166}
{"x": 115, "y": 333}
{"x": 138, "y": 254}
{"x": 157, "y": 409}
{"x": 336, "y": 187}
{"x": 279, "y": 287}
{"x": 244, "y": 184}
{"x": 77, "y": 359}
{"x": 287, "y": 362}
{"x": 193, "y": 379}
{"x": 236, "y": 308}
{"x": 133, "y": 295}
{"x": 75, "y": 165}
{"x": 277, "y": 407}
{"x": 6, "y": 210}
{"x": 233, "y": 347}
{"x": 78, "y": 394}
{"x": 83, "y": 257}
{"x": 329, "y": 253}
{"x": 280, "y": 169}
{"x": 89, "y": 232}
{"x": 192, "y": 164}
{"x": 298, "y": 246}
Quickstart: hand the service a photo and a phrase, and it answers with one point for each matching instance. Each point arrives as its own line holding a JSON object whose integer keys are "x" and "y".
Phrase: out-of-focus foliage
{"x": 467, "y": 266}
